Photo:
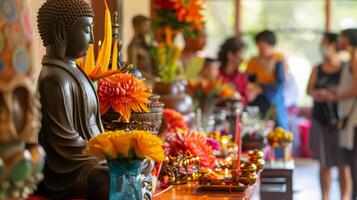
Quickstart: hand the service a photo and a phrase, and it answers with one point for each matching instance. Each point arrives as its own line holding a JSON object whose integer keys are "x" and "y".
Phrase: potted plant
{"x": 171, "y": 18}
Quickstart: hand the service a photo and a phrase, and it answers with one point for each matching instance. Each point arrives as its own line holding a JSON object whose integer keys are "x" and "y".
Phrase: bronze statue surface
{"x": 69, "y": 104}
{"x": 139, "y": 47}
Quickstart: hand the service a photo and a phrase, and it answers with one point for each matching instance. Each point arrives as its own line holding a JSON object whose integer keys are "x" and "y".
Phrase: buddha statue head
{"x": 66, "y": 27}
{"x": 141, "y": 25}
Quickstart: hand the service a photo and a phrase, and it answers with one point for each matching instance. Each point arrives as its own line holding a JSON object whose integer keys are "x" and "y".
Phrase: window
{"x": 343, "y": 14}
{"x": 220, "y": 21}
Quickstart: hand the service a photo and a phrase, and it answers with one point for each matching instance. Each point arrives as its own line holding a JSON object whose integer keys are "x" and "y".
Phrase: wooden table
{"x": 276, "y": 181}
{"x": 189, "y": 192}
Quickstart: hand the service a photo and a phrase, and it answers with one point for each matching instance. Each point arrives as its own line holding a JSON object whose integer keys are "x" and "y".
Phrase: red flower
{"x": 188, "y": 10}
{"x": 124, "y": 93}
{"x": 163, "y": 4}
{"x": 173, "y": 120}
{"x": 183, "y": 142}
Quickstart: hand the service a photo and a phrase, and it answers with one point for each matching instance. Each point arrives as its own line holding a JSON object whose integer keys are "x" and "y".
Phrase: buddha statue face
{"x": 79, "y": 39}
{"x": 69, "y": 33}
{"x": 141, "y": 25}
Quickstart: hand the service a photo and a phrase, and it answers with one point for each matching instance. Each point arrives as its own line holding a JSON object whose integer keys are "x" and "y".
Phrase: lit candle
{"x": 99, "y": 46}
{"x": 227, "y": 176}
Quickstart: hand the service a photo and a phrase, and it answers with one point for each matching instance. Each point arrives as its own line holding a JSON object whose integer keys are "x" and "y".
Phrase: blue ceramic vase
{"x": 125, "y": 182}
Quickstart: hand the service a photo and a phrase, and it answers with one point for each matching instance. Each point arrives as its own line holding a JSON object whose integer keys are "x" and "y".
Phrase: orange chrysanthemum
{"x": 210, "y": 89}
{"x": 173, "y": 120}
{"x": 124, "y": 93}
{"x": 188, "y": 10}
{"x": 194, "y": 142}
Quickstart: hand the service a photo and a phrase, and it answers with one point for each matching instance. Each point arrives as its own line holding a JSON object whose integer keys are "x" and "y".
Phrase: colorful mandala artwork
{"x": 20, "y": 60}
{"x": 2, "y": 66}
{"x": 26, "y": 25}
{"x": 8, "y": 9}
{"x": 2, "y": 42}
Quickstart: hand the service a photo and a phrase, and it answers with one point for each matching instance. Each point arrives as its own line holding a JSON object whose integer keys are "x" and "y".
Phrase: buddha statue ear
{"x": 60, "y": 38}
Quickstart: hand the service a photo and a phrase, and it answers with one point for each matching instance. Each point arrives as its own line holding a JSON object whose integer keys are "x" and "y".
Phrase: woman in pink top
{"x": 230, "y": 56}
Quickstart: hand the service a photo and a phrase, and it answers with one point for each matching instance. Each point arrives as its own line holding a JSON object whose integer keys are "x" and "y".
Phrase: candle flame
{"x": 226, "y": 172}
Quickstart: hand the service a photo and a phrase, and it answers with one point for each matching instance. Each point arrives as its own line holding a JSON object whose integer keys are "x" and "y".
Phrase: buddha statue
{"x": 69, "y": 104}
{"x": 139, "y": 48}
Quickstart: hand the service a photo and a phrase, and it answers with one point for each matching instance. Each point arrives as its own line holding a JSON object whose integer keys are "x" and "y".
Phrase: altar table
{"x": 189, "y": 192}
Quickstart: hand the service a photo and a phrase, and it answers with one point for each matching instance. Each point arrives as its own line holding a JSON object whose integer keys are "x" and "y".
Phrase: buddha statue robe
{"x": 70, "y": 118}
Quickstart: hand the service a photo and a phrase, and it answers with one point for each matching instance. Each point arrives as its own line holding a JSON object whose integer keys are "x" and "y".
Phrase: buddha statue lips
{"x": 69, "y": 104}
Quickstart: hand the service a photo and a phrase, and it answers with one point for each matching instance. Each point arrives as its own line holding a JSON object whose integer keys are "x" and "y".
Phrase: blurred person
{"x": 324, "y": 132}
{"x": 267, "y": 77}
{"x": 291, "y": 93}
{"x": 291, "y": 90}
{"x": 346, "y": 96}
{"x": 191, "y": 58}
{"x": 210, "y": 69}
{"x": 139, "y": 47}
{"x": 230, "y": 57}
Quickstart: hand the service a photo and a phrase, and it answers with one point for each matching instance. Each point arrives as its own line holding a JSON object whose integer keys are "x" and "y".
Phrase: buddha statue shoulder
{"x": 69, "y": 104}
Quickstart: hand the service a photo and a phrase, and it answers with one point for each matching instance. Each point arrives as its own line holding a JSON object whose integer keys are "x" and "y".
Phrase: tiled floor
{"x": 306, "y": 181}
{"x": 306, "y": 184}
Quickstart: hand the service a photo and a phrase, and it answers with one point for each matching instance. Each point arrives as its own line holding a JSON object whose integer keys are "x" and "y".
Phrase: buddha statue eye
{"x": 87, "y": 29}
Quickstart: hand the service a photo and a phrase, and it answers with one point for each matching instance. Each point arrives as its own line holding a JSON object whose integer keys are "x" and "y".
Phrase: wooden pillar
{"x": 328, "y": 15}
{"x": 238, "y": 11}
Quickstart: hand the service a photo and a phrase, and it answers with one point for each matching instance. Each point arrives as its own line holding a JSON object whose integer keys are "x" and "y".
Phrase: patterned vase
{"x": 150, "y": 121}
{"x": 125, "y": 181}
{"x": 174, "y": 96}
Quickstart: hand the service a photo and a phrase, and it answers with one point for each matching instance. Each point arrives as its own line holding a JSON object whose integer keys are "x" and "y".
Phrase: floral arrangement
{"x": 125, "y": 146}
{"x": 173, "y": 120}
{"x": 225, "y": 144}
{"x": 99, "y": 68}
{"x": 279, "y": 137}
{"x": 208, "y": 92}
{"x": 124, "y": 93}
{"x": 253, "y": 135}
{"x": 214, "y": 144}
{"x": 182, "y": 15}
{"x": 117, "y": 88}
{"x": 183, "y": 142}
{"x": 172, "y": 17}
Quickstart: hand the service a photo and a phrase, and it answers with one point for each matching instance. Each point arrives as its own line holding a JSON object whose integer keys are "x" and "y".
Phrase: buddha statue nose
{"x": 91, "y": 41}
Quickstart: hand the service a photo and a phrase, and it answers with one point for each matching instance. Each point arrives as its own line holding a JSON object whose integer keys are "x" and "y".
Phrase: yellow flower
{"x": 148, "y": 146}
{"x": 123, "y": 142}
{"x": 122, "y": 145}
{"x": 94, "y": 150}
{"x": 101, "y": 143}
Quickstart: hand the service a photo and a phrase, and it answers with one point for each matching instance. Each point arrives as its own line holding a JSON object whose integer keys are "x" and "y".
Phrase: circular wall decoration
{"x": 2, "y": 42}
{"x": 26, "y": 25}
{"x": 2, "y": 66}
{"x": 20, "y": 60}
{"x": 8, "y": 9}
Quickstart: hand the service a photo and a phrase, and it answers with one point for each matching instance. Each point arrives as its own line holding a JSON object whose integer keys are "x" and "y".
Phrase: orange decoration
{"x": 194, "y": 142}
{"x": 188, "y": 10}
{"x": 173, "y": 120}
{"x": 124, "y": 93}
